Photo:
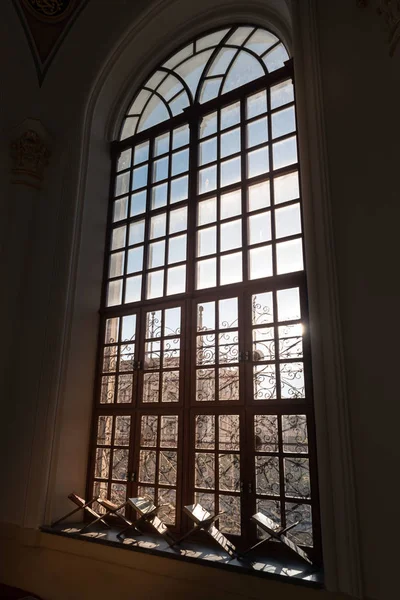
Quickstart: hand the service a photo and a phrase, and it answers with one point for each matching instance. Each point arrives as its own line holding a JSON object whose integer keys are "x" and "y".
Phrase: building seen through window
{"x": 204, "y": 390}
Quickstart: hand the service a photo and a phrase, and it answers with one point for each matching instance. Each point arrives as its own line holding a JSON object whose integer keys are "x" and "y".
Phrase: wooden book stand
{"x": 203, "y": 520}
{"x": 274, "y": 532}
{"x": 147, "y": 512}
{"x": 86, "y": 507}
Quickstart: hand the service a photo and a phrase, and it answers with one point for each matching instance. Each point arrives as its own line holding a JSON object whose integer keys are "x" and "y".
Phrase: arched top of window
{"x": 210, "y": 66}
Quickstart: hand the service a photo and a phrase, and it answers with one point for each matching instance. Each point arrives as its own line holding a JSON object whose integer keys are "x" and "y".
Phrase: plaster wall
{"x": 52, "y": 245}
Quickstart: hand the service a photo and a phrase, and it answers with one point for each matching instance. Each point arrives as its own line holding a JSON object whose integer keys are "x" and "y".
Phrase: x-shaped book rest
{"x": 148, "y": 514}
{"x": 203, "y": 520}
{"x": 273, "y": 531}
{"x": 86, "y": 507}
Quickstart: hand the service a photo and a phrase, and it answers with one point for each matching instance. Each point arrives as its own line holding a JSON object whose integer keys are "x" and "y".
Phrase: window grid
{"x": 283, "y": 195}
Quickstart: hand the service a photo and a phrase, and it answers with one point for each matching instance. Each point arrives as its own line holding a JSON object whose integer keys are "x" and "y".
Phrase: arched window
{"x": 204, "y": 390}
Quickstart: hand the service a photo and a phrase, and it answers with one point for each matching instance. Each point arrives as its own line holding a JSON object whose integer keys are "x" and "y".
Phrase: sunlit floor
{"x": 199, "y": 552}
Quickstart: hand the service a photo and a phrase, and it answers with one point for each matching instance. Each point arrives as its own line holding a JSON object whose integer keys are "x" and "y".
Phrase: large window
{"x": 204, "y": 388}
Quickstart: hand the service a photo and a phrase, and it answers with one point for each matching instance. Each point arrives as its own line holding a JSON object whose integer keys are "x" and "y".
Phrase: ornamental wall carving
{"x": 30, "y": 156}
{"x": 389, "y": 10}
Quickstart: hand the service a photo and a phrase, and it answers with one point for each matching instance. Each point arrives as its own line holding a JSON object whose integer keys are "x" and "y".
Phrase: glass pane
{"x": 288, "y": 304}
{"x": 290, "y": 341}
{"x": 258, "y": 162}
{"x": 262, "y": 309}
{"x": 263, "y": 344}
{"x": 204, "y": 471}
{"x": 228, "y": 313}
{"x": 212, "y": 39}
{"x": 267, "y": 475}
{"x": 151, "y": 387}
{"x": 141, "y": 153}
{"x": 231, "y": 268}
{"x": 207, "y": 211}
{"x": 286, "y": 188}
{"x": 259, "y": 196}
{"x": 205, "y": 385}
{"x": 301, "y": 514}
{"x": 112, "y": 328}
{"x": 289, "y": 256}
{"x": 138, "y": 203}
{"x": 122, "y": 184}
{"x": 133, "y": 289}
{"x": 110, "y": 358}
{"x": 208, "y": 151}
{"x": 161, "y": 144}
{"x": 257, "y": 132}
{"x": 283, "y": 122}
{"x": 275, "y": 59}
{"x": 230, "y": 142}
{"x": 231, "y": 235}
{"x": 292, "y": 380}
{"x": 135, "y": 260}
{"x": 124, "y": 160}
{"x": 139, "y": 102}
{"x": 285, "y": 153}
{"x": 264, "y": 381}
{"x": 120, "y": 209}
{"x": 180, "y": 162}
{"x": 206, "y": 316}
{"x": 272, "y": 510}
{"x": 159, "y": 195}
{"x": 176, "y": 280}
{"x": 102, "y": 465}
{"x": 167, "y": 500}
{"x": 177, "y": 249}
{"x": 114, "y": 293}
{"x": 230, "y": 171}
{"x": 125, "y": 387}
{"x": 229, "y": 472}
{"x": 107, "y": 390}
{"x": 172, "y": 321}
{"x": 288, "y": 221}
{"x": 129, "y": 127}
{"x": 136, "y": 232}
{"x": 207, "y": 241}
{"x": 156, "y": 254}
{"x": 282, "y": 93}
{"x": 222, "y": 61}
{"x": 229, "y": 432}
{"x": 116, "y": 268}
{"x": 260, "y": 228}
{"x": 210, "y": 89}
{"x": 231, "y": 204}
{"x": 168, "y": 467}
{"x": 244, "y": 69}
{"x": 266, "y": 433}
{"x": 148, "y": 432}
{"x": 208, "y": 125}
{"x": 256, "y": 104}
{"x": 297, "y": 477}
{"x": 179, "y": 189}
{"x": 147, "y": 466}
{"x": 230, "y": 115}
{"x": 207, "y": 179}
{"x": 118, "y": 238}
{"x": 155, "y": 284}
{"x": 160, "y": 169}
{"x": 260, "y": 262}
{"x": 157, "y": 226}
{"x": 205, "y": 432}
{"x": 178, "y": 220}
{"x": 228, "y": 383}
{"x": 120, "y": 464}
{"x": 169, "y": 431}
{"x": 206, "y": 274}
{"x": 180, "y": 137}
{"x": 294, "y": 433}
{"x": 153, "y": 324}
{"x": 104, "y": 430}
{"x": 139, "y": 178}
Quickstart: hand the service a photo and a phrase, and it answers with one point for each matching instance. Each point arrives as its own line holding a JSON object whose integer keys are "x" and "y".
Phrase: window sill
{"x": 198, "y": 553}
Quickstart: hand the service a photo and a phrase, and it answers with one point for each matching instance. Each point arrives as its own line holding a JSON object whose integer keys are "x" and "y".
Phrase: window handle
{"x": 132, "y": 476}
{"x": 246, "y": 487}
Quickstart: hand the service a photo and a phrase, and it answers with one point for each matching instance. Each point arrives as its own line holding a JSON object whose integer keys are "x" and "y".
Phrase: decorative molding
{"x": 30, "y": 155}
{"x": 46, "y": 24}
{"x": 390, "y": 11}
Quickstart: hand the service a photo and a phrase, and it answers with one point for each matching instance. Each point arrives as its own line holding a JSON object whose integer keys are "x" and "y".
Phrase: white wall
{"x": 49, "y": 313}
